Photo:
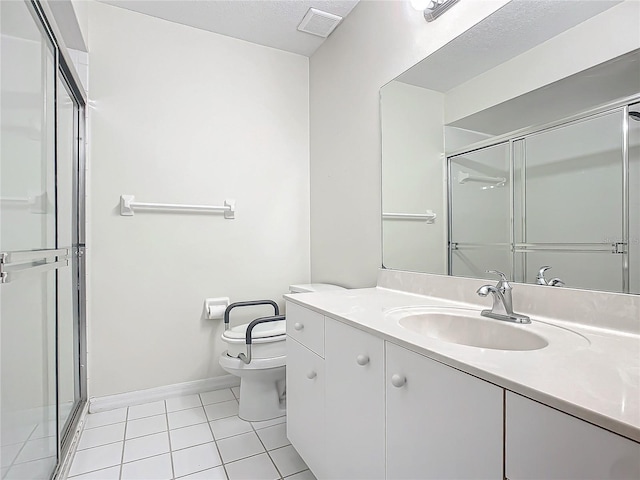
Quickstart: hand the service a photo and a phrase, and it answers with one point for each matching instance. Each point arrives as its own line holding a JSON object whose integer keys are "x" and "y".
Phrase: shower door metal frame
{"x": 619, "y": 248}
{"x": 65, "y": 69}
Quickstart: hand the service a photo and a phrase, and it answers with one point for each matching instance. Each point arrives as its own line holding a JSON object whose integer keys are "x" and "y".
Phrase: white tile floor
{"x": 28, "y": 442}
{"x": 190, "y": 437}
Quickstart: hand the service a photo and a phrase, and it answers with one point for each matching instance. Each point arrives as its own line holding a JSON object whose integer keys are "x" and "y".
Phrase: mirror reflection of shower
{"x": 573, "y": 204}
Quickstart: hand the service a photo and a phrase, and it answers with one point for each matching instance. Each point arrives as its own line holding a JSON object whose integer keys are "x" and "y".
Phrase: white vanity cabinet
{"x": 362, "y": 408}
{"x": 354, "y": 403}
{"x": 542, "y": 442}
{"x": 441, "y": 423}
{"x": 306, "y": 386}
{"x": 359, "y": 407}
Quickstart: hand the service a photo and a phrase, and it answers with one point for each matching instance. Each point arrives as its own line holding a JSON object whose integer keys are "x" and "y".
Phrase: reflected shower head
{"x": 635, "y": 116}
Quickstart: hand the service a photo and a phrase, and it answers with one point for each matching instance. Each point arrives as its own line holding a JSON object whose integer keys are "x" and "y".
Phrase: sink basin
{"x": 468, "y": 327}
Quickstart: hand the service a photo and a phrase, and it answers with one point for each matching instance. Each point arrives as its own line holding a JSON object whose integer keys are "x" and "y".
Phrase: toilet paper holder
{"x": 214, "y": 308}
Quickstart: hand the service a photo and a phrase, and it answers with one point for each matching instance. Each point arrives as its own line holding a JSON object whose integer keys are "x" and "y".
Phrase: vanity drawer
{"x": 306, "y": 326}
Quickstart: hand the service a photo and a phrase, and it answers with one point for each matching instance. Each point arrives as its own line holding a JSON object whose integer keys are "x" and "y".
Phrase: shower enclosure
{"x": 42, "y": 349}
{"x": 564, "y": 195}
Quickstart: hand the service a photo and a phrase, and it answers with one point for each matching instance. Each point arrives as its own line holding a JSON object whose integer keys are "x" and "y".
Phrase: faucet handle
{"x": 503, "y": 284}
{"x": 503, "y": 277}
{"x": 540, "y": 280}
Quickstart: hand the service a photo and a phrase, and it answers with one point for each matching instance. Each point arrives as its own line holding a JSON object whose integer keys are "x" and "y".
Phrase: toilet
{"x": 262, "y": 380}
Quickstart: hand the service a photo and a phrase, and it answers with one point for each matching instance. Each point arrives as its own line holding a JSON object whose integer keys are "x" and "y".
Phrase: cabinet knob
{"x": 311, "y": 375}
{"x": 398, "y": 380}
{"x": 362, "y": 359}
{"x": 298, "y": 326}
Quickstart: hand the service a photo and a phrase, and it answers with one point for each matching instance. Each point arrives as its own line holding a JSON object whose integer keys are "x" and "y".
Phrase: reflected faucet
{"x": 502, "y": 301}
{"x": 554, "y": 282}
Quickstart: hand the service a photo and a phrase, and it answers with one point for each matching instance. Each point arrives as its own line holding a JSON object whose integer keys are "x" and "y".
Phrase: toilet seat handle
{"x": 248, "y": 339}
{"x": 250, "y": 303}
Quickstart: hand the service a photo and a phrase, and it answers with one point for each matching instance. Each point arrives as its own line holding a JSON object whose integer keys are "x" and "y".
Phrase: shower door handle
{"x": 15, "y": 265}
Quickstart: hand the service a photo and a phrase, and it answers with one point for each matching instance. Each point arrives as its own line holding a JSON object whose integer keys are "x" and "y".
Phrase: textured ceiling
{"x": 272, "y": 23}
{"x": 512, "y": 30}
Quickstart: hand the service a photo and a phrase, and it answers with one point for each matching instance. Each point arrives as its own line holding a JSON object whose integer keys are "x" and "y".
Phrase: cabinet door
{"x": 542, "y": 442}
{"x": 305, "y": 405}
{"x": 354, "y": 365}
{"x": 441, "y": 423}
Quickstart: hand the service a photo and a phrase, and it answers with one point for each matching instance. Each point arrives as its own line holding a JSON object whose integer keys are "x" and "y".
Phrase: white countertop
{"x": 594, "y": 375}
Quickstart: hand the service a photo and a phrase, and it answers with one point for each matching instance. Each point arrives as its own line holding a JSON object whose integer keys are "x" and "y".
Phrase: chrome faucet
{"x": 502, "y": 301}
{"x": 554, "y": 282}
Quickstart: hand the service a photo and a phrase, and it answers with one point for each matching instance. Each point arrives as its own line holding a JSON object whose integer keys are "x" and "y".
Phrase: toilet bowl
{"x": 262, "y": 379}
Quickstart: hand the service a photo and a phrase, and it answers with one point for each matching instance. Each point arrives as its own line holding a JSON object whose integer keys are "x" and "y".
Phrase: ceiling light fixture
{"x": 432, "y": 8}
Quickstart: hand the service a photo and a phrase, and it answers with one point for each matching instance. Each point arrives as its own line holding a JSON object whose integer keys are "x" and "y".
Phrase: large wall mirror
{"x": 517, "y": 147}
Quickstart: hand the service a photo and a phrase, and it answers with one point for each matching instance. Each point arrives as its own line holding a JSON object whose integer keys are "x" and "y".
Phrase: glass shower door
{"x": 572, "y": 200}
{"x": 29, "y": 257}
{"x": 480, "y": 212}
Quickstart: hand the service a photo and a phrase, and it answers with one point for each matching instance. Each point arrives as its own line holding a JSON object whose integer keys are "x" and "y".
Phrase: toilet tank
{"x": 313, "y": 287}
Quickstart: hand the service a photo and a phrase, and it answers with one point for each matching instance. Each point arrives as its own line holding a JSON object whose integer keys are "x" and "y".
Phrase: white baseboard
{"x": 111, "y": 402}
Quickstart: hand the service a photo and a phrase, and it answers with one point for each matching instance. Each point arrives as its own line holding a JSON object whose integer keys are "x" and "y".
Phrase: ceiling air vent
{"x": 317, "y": 22}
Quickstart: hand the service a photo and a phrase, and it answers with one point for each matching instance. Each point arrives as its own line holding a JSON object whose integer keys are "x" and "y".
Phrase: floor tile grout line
{"x": 199, "y": 471}
{"x": 99, "y": 469}
{"x": 267, "y": 451}
{"x": 148, "y": 416}
{"x": 244, "y": 458}
{"x": 301, "y": 471}
{"x": 276, "y": 466}
{"x": 125, "y": 439}
{"x": 33, "y": 460}
{"x": 145, "y": 418}
{"x": 191, "y": 446}
{"x": 93, "y": 471}
{"x": 145, "y": 458}
{"x": 213, "y": 420}
{"x": 202, "y": 403}
{"x": 214, "y": 440}
{"x": 124, "y": 443}
{"x": 105, "y": 425}
{"x": 24, "y": 444}
{"x": 174, "y": 429}
{"x": 166, "y": 412}
{"x": 122, "y": 464}
{"x": 13, "y": 462}
{"x": 230, "y": 436}
{"x": 282, "y": 477}
{"x": 33, "y": 431}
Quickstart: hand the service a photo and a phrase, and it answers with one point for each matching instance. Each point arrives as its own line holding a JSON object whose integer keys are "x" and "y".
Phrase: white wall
{"x": 375, "y": 43}
{"x": 413, "y": 178}
{"x": 186, "y": 116}
{"x": 81, "y": 10}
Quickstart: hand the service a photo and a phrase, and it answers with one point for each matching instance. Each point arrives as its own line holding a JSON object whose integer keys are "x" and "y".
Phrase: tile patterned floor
{"x": 28, "y": 442}
{"x": 190, "y": 437}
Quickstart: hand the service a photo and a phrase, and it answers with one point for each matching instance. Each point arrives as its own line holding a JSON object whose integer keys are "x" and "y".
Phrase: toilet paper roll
{"x": 215, "y": 311}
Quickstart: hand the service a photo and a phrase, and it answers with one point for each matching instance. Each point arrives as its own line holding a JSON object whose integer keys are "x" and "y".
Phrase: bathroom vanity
{"x": 370, "y": 395}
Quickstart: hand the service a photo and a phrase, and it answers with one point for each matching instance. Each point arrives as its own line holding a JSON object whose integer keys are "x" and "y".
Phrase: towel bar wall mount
{"x": 128, "y": 205}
